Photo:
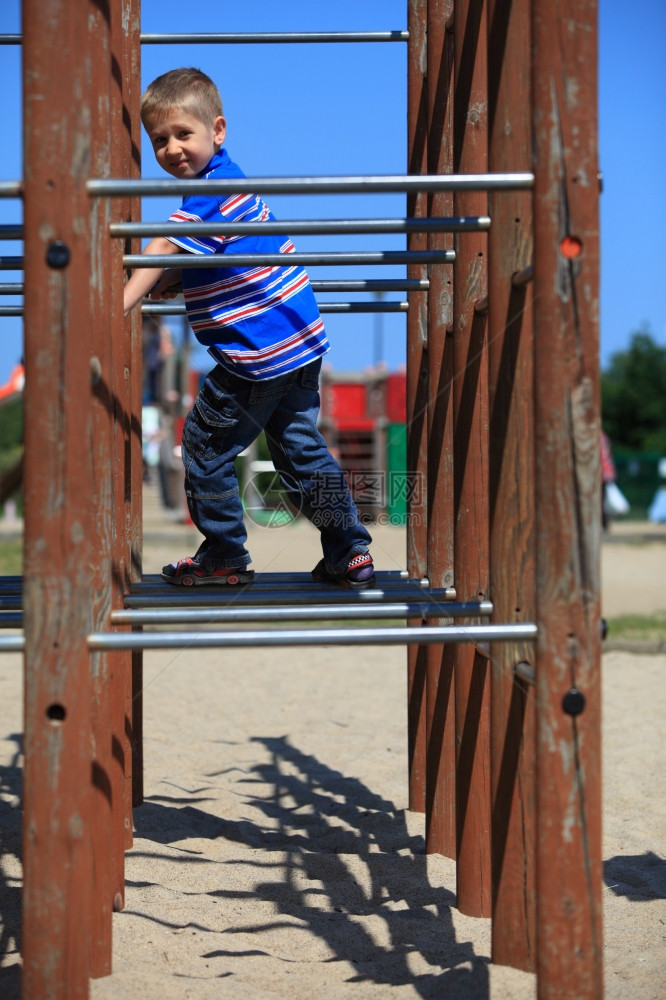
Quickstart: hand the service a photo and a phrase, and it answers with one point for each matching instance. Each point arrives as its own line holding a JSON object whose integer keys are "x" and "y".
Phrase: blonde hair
{"x": 188, "y": 90}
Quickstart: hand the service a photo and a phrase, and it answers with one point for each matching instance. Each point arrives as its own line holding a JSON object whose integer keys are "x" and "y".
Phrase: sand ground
{"x": 274, "y": 855}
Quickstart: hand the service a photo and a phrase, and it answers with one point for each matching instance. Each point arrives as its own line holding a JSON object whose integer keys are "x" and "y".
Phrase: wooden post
{"x": 128, "y": 394}
{"x": 470, "y": 402}
{"x": 417, "y": 396}
{"x": 566, "y": 269}
{"x": 511, "y": 477}
{"x": 108, "y": 848}
{"x": 58, "y": 109}
{"x": 440, "y": 705}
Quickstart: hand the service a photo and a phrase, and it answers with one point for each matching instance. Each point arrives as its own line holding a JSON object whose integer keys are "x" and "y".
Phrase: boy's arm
{"x": 143, "y": 278}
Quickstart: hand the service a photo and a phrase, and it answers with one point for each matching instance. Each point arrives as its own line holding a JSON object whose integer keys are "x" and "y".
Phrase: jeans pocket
{"x": 308, "y": 376}
{"x": 206, "y": 427}
{"x": 265, "y": 390}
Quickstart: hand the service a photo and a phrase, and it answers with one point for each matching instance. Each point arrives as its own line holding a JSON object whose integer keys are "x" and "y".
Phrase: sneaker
{"x": 359, "y": 575}
{"x": 190, "y": 573}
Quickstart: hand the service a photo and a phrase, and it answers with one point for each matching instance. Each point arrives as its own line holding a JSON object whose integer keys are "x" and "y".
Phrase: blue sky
{"x": 341, "y": 109}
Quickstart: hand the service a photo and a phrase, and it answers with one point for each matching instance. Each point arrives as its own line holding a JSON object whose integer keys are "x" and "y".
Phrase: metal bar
{"x": 112, "y": 187}
{"x": 173, "y": 616}
{"x": 11, "y": 619}
{"x": 511, "y": 488}
{"x": 57, "y": 794}
{"x": 371, "y": 285}
{"x": 11, "y": 189}
{"x": 269, "y": 37}
{"x": 310, "y": 637}
{"x": 568, "y": 491}
{"x": 254, "y": 597}
{"x": 522, "y": 277}
{"x": 11, "y": 263}
{"x": 178, "y": 309}
{"x": 470, "y": 406}
{"x": 332, "y": 259}
{"x": 440, "y": 702}
{"x": 295, "y": 227}
{"x": 256, "y": 38}
{"x": 298, "y": 581}
{"x": 12, "y": 643}
{"x": 11, "y": 231}
{"x": 525, "y": 672}
{"x": 322, "y": 285}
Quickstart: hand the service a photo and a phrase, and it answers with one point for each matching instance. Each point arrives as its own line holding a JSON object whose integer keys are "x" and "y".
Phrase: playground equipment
{"x": 503, "y": 427}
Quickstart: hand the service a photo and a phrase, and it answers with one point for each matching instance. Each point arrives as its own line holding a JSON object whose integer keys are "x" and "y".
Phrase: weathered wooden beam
{"x": 417, "y": 392}
{"x": 568, "y": 490}
{"x": 470, "y": 406}
{"x": 511, "y": 482}
{"x": 58, "y": 105}
{"x": 440, "y": 702}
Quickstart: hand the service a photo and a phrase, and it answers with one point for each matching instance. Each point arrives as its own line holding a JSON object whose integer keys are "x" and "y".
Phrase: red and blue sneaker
{"x": 359, "y": 574}
{"x": 190, "y": 573}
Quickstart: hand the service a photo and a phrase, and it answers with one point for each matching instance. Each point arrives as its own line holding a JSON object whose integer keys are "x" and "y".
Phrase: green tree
{"x": 633, "y": 396}
{"x": 11, "y": 425}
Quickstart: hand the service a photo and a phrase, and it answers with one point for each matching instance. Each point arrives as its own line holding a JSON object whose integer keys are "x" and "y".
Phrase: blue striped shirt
{"x": 256, "y": 321}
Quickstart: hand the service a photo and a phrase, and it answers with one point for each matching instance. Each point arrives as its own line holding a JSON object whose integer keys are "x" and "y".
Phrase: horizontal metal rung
{"x": 525, "y": 671}
{"x": 523, "y": 277}
{"x": 12, "y": 643}
{"x": 253, "y": 596}
{"x": 253, "y": 38}
{"x": 333, "y": 612}
{"x": 318, "y": 285}
{"x": 426, "y": 634}
{"x": 370, "y": 284}
{"x": 270, "y": 37}
{"x": 363, "y": 184}
{"x": 298, "y": 227}
{"x": 11, "y": 619}
{"x": 178, "y": 309}
{"x": 332, "y": 258}
{"x": 282, "y": 578}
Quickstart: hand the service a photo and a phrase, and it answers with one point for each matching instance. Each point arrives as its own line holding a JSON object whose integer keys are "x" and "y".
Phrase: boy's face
{"x": 182, "y": 144}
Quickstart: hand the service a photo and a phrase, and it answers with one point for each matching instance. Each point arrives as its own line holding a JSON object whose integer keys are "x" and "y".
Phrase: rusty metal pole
{"x": 58, "y": 108}
{"x": 417, "y": 395}
{"x": 470, "y": 403}
{"x": 440, "y": 705}
{"x": 568, "y": 667}
{"x": 511, "y": 476}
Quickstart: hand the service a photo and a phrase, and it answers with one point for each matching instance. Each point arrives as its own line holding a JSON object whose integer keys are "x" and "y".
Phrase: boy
{"x": 262, "y": 327}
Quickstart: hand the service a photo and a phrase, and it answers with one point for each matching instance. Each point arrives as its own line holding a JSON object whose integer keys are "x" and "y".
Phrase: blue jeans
{"x": 227, "y": 416}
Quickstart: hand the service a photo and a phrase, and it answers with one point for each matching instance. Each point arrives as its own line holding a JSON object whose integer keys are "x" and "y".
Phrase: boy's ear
{"x": 219, "y": 130}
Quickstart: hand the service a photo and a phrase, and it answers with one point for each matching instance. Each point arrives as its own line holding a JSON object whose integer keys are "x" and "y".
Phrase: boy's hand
{"x": 169, "y": 285}
{"x": 144, "y": 279}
